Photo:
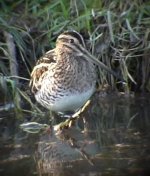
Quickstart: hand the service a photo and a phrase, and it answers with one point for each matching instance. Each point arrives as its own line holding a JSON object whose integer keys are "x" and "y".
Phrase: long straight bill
{"x": 83, "y": 52}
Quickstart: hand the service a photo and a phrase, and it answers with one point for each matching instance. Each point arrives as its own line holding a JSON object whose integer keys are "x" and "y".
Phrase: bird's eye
{"x": 71, "y": 41}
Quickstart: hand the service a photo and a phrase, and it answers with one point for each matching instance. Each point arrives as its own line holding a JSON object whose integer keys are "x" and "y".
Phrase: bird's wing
{"x": 40, "y": 70}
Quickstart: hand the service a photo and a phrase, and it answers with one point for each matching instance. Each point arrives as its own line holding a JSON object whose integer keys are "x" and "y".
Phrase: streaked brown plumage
{"x": 65, "y": 77}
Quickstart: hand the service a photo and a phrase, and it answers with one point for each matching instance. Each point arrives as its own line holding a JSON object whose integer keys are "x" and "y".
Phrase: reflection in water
{"x": 57, "y": 153}
{"x": 113, "y": 140}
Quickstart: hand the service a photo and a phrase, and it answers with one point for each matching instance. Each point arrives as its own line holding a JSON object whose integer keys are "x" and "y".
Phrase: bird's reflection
{"x": 57, "y": 151}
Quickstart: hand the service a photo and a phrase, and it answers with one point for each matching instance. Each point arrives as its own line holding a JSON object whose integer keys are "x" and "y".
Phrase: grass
{"x": 117, "y": 33}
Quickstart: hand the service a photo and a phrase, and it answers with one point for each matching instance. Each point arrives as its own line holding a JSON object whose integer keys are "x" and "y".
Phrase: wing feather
{"x": 41, "y": 69}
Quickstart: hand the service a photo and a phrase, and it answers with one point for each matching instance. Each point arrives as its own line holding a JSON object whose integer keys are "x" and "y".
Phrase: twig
{"x": 12, "y": 54}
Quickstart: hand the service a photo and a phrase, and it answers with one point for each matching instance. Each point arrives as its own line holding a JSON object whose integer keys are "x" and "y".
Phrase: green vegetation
{"x": 117, "y": 33}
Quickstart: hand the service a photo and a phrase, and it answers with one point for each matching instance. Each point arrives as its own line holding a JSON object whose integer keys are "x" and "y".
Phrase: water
{"x": 114, "y": 140}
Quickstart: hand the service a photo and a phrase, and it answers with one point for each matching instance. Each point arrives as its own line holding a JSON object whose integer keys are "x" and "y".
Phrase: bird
{"x": 64, "y": 78}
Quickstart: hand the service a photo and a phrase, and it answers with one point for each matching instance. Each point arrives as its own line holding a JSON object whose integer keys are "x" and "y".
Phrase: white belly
{"x": 68, "y": 103}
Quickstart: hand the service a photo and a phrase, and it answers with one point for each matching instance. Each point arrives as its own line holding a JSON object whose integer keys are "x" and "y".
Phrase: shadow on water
{"x": 113, "y": 140}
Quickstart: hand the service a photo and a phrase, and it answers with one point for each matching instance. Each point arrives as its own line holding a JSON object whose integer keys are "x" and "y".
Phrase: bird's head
{"x": 72, "y": 37}
{"x": 75, "y": 44}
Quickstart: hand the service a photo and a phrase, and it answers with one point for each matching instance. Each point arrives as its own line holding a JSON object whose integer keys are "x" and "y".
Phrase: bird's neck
{"x": 64, "y": 53}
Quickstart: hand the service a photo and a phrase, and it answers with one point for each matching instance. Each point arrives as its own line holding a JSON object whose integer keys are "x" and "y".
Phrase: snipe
{"x": 65, "y": 77}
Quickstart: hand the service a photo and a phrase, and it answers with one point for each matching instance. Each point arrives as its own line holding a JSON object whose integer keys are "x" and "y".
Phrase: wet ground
{"x": 112, "y": 138}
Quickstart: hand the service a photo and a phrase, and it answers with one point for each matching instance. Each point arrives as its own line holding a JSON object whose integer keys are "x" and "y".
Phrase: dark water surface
{"x": 114, "y": 140}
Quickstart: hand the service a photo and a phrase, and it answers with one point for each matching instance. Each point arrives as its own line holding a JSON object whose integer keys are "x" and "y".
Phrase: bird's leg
{"x": 69, "y": 122}
{"x": 82, "y": 109}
